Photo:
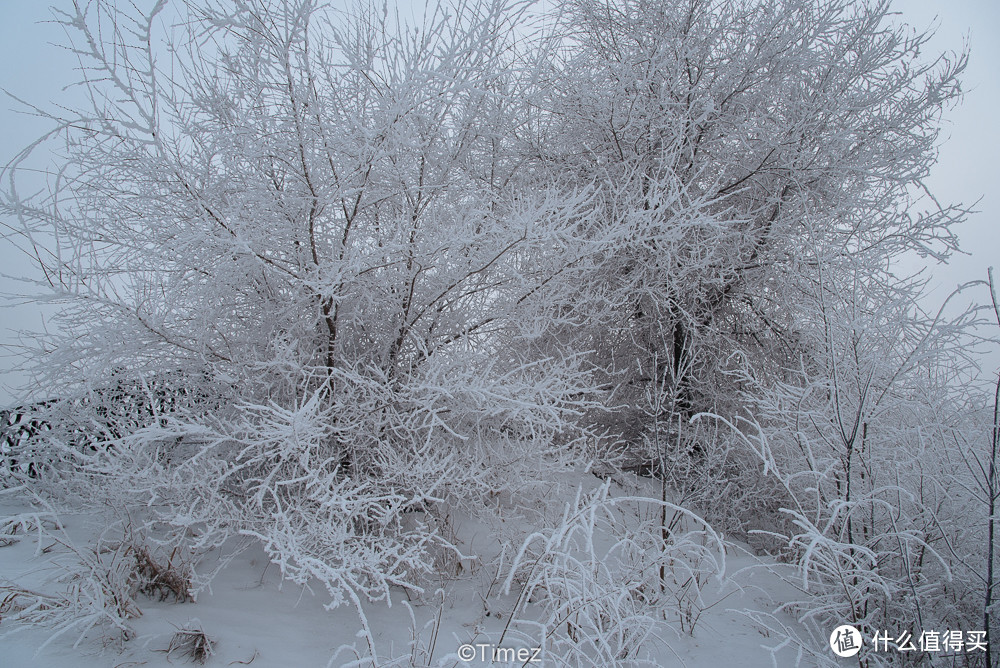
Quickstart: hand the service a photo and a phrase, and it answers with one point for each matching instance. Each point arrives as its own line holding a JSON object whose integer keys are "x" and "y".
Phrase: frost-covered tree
{"x": 311, "y": 217}
{"x": 866, "y": 439}
{"x": 726, "y": 140}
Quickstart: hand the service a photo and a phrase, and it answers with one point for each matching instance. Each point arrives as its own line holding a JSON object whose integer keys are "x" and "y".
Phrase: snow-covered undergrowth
{"x": 588, "y": 582}
{"x": 605, "y": 576}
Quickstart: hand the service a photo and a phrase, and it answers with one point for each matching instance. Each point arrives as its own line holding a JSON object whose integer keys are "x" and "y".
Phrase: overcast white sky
{"x": 968, "y": 166}
{"x": 38, "y": 71}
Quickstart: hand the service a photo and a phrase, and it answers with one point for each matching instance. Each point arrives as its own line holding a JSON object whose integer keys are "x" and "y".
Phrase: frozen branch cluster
{"x": 882, "y": 460}
{"x": 600, "y": 579}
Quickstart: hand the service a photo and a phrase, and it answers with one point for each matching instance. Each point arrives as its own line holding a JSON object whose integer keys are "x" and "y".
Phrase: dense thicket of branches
{"x": 419, "y": 267}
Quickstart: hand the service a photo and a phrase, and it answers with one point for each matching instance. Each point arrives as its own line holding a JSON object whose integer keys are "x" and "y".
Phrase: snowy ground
{"x": 255, "y": 618}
